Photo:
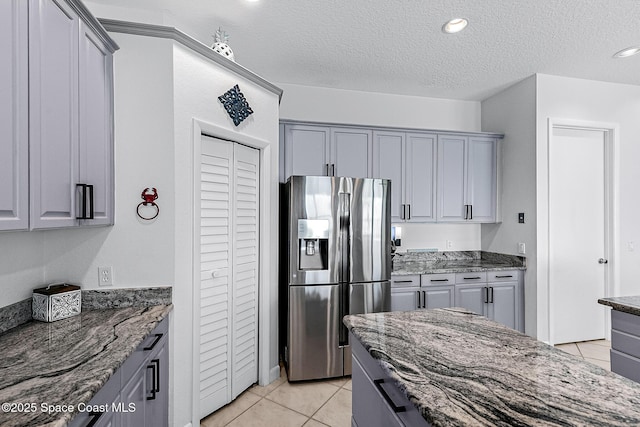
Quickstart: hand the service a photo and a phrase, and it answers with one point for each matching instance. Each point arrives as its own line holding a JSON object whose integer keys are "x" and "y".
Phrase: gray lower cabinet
{"x": 497, "y": 295}
{"x": 416, "y": 292}
{"x": 376, "y": 400}
{"x": 625, "y": 344}
{"x": 137, "y": 394}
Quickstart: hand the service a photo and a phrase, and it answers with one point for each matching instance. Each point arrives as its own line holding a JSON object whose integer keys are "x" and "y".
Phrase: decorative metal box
{"x": 56, "y": 302}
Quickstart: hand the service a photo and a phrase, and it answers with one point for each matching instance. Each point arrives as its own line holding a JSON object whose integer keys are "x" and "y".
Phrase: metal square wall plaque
{"x": 236, "y": 105}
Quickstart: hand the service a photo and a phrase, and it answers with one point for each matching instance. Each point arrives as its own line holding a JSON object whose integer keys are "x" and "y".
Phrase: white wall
{"x": 513, "y": 113}
{"x": 198, "y": 83}
{"x": 585, "y": 100}
{"x": 378, "y": 109}
{"x": 463, "y": 237}
{"x": 21, "y": 265}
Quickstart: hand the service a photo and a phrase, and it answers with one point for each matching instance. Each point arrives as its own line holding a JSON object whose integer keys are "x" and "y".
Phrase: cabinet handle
{"x": 87, "y": 195}
{"x": 326, "y": 169}
{"x": 439, "y": 280}
{"x": 471, "y": 211}
{"x": 95, "y": 416}
{"x": 153, "y": 344}
{"x": 424, "y": 299}
{"x": 472, "y": 278}
{"x": 486, "y": 294}
{"x": 333, "y": 169}
{"x": 403, "y": 281}
{"x": 466, "y": 211}
{"x": 402, "y": 213}
{"x": 504, "y": 277}
{"x": 154, "y": 370}
{"x": 419, "y": 305}
{"x": 409, "y": 209}
{"x": 491, "y": 297}
{"x": 378, "y": 383}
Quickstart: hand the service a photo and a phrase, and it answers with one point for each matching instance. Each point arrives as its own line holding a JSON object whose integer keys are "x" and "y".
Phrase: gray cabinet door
{"x": 503, "y": 306}
{"x": 405, "y": 299}
{"x": 472, "y": 297}
{"x": 452, "y": 178}
{"x": 420, "y": 180}
{"x": 14, "y": 116}
{"x": 388, "y": 163}
{"x": 135, "y": 392}
{"x": 481, "y": 179}
{"x": 438, "y": 297}
{"x": 351, "y": 152}
{"x": 306, "y": 150}
{"x": 157, "y": 388}
{"x": 53, "y": 113}
{"x": 96, "y": 124}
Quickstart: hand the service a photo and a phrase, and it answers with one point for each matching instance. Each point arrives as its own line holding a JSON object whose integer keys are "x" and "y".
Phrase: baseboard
{"x": 274, "y": 373}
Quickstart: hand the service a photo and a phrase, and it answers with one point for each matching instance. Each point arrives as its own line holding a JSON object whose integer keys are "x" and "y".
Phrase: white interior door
{"x": 577, "y": 239}
{"x": 229, "y": 200}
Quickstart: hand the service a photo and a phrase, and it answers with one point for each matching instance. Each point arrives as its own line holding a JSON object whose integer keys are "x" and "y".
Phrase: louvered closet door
{"x": 245, "y": 269}
{"x": 229, "y": 271}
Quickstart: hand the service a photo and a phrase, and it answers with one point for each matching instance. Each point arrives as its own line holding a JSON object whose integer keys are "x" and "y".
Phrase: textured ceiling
{"x": 397, "y": 46}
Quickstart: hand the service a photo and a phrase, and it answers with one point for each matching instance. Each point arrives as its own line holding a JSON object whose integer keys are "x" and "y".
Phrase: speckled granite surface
{"x": 454, "y": 262}
{"x": 15, "y": 315}
{"x": 68, "y": 361}
{"x": 462, "y": 369}
{"x": 629, "y": 305}
{"x": 92, "y": 299}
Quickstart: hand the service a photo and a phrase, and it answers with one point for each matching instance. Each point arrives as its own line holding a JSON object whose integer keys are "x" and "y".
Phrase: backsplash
{"x": 16, "y": 314}
{"x": 400, "y": 260}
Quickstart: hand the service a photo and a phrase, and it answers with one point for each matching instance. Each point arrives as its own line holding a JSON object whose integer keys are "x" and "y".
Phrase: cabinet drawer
{"x": 502, "y": 276}
{"x": 152, "y": 342}
{"x": 625, "y": 365}
{"x": 472, "y": 277}
{"x": 629, "y": 344}
{"x": 407, "y": 281}
{"x": 625, "y": 322}
{"x": 438, "y": 279}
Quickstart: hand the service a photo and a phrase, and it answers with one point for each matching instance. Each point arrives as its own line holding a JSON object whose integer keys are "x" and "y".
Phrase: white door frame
{"x": 267, "y": 219}
{"x": 611, "y": 170}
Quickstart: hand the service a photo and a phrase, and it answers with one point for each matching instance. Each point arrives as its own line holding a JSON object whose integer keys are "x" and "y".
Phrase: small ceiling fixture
{"x": 455, "y": 25}
{"x": 630, "y": 51}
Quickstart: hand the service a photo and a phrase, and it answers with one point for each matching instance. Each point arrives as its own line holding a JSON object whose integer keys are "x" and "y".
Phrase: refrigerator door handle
{"x": 345, "y": 260}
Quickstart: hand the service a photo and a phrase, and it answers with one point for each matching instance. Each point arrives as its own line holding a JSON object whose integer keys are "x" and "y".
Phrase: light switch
{"x": 521, "y": 218}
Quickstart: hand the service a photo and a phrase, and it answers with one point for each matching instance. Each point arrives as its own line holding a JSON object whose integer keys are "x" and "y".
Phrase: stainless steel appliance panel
{"x": 366, "y": 298}
{"x": 370, "y": 225}
{"x": 314, "y": 323}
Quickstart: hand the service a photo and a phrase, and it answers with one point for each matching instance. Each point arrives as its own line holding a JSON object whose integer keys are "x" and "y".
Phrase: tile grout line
{"x": 251, "y": 406}
{"x": 322, "y": 406}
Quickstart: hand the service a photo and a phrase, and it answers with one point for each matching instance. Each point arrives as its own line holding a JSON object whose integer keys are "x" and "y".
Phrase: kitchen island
{"x": 456, "y": 368}
{"x": 625, "y": 335}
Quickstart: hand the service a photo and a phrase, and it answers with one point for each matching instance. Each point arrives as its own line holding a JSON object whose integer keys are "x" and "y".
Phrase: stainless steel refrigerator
{"x": 339, "y": 263}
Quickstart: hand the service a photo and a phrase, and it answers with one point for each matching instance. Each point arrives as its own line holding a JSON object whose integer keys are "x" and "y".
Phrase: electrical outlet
{"x": 105, "y": 276}
{"x": 449, "y": 244}
{"x": 521, "y": 248}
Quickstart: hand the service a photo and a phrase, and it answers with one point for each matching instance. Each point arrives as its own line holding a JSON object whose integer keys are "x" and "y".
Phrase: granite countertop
{"x": 629, "y": 305}
{"x": 462, "y": 369}
{"x": 455, "y": 262}
{"x": 68, "y": 361}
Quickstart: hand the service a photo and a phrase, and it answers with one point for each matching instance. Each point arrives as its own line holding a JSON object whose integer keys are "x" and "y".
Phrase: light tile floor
{"x": 328, "y": 403}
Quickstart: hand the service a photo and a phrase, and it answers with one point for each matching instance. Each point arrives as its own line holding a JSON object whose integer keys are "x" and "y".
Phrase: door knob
{"x": 603, "y": 261}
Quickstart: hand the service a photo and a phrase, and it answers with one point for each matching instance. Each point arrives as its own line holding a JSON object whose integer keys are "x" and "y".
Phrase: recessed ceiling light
{"x": 455, "y": 25}
{"x": 630, "y": 51}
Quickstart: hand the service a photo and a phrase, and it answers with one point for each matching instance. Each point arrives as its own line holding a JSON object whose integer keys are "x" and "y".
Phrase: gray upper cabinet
{"x": 59, "y": 110}
{"x": 408, "y": 160}
{"x": 326, "y": 151}
{"x": 14, "y": 119}
{"x": 53, "y": 113}
{"x": 467, "y": 179}
{"x": 306, "y": 150}
{"x": 435, "y": 176}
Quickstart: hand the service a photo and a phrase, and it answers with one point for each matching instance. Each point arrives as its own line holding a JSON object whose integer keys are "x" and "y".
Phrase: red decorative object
{"x": 149, "y": 195}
